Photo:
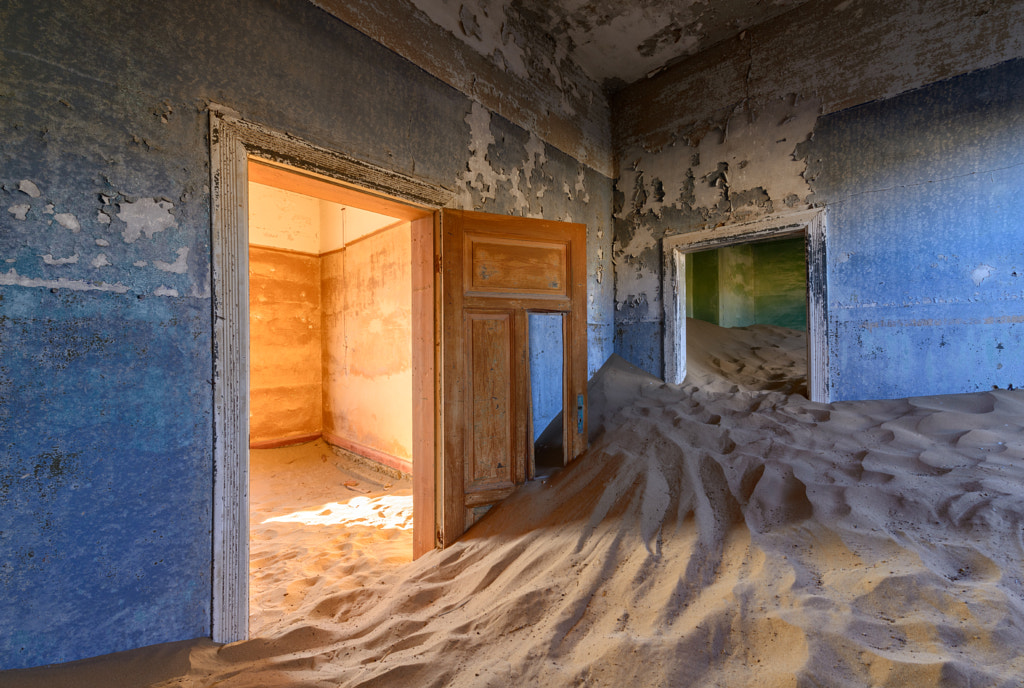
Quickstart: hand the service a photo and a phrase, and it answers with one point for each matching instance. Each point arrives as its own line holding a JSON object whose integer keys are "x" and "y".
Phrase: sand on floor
{"x": 320, "y": 522}
{"x": 722, "y": 532}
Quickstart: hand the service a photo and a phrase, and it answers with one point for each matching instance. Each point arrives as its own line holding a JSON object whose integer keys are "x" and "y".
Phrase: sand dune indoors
{"x": 725, "y": 532}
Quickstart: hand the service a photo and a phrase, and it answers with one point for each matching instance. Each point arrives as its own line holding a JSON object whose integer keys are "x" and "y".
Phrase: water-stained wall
{"x": 285, "y": 376}
{"x": 367, "y": 346}
{"x": 105, "y": 313}
{"x": 727, "y": 136}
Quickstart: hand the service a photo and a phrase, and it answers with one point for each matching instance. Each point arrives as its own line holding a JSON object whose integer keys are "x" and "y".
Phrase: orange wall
{"x": 284, "y": 346}
{"x": 367, "y": 345}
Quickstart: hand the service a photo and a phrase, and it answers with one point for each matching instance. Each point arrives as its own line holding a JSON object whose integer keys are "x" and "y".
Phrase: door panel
{"x": 500, "y": 266}
{"x": 494, "y": 270}
{"x": 489, "y": 352}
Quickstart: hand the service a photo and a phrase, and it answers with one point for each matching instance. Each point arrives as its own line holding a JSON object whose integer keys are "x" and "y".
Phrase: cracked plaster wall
{"x": 723, "y": 137}
{"x": 105, "y": 306}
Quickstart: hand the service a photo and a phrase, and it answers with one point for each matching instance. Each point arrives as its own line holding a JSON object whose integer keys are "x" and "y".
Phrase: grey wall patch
{"x": 165, "y": 291}
{"x": 100, "y": 261}
{"x": 29, "y": 187}
{"x": 102, "y": 217}
{"x": 68, "y": 221}
{"x": 146, "y": 216}
{"x": 102, "y": 242}
{"x": 19, "y": 211}
{"x": 479, "y": 174}
{"x": 50, "y": 260}
{"x": 179, "y": 266}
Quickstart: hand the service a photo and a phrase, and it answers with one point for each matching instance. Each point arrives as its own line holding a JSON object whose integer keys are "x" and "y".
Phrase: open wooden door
{"x": 495, "y": 270}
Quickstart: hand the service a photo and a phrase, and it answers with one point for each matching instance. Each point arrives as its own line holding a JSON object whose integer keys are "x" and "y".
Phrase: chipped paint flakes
{"x": 179, "y": 266}
{"x": 48, "y": 259}
{"x": 146, "y": 216}
{"x": 746, "y": 168}
{"x": 29, "y": 187}
{"x": 100, "y": 261}
{"x": 19, "y": 210}
{"x": 636, "y": 279}
{"x": 535, "y": 158}
{"x": 102, "y": 242}
{"x": 484, "y": 26}
{"x": 165, "y": 291}
{"x": 68, "y": 221}
{"x": 981, "y": 273}
{"x": 479, "y": 174}
{"x": 102, "y": 217}
{"x": 581, "y": 186}
{"x": 12, "y": 278}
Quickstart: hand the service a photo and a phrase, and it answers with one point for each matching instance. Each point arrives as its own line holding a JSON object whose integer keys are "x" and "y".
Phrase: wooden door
{"x": 494, "y": 271}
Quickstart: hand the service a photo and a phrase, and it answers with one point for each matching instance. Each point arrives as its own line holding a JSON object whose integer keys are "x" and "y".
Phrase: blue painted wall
{"x": 104, "y": 488}
{"x": 105, "y": 331}
{"x": 925, "y": 244}
{"x": 546, "y": 369}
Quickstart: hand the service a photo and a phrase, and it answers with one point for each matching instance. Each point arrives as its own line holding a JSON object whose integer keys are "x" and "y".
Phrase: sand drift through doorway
{"x": 808, "y": 224}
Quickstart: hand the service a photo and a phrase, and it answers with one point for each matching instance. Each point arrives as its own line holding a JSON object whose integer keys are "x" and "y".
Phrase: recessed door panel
{"x": 503, "y": 266}
{"x": 489, "y": 349}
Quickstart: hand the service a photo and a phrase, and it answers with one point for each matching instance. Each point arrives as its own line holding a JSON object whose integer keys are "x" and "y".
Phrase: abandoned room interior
{"x": 416, "y": 342}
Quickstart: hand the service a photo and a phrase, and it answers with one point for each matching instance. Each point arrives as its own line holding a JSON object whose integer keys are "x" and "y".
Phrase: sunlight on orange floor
{"x": 385, "y": 511}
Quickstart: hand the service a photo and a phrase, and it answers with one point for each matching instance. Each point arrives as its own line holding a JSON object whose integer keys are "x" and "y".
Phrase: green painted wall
{"x": 736, "y": 286}
{"x": 702, "y": 286}
{"x": 780, "y": 270}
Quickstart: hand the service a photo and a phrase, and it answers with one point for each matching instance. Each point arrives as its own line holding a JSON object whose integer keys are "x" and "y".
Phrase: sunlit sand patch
{"x": 387, "y": 511}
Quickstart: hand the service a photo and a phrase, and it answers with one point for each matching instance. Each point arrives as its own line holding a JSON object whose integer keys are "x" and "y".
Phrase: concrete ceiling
{"x": 618, "y": 42}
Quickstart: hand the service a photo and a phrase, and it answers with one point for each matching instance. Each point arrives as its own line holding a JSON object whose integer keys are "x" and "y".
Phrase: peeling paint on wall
{"x": 484, "y": 26}
{"x": 83, "y": 345}
{"x": 48, "y": 259}
{"x": 180, "y": 264}
{"x": 12, "y": 278}
{"x": 29, "y": 187}
{"x": 712, "y": 140}
{"x": 145, "y": 216}
{"x": 19, "y": 211}
{"x": 68, "y": 221}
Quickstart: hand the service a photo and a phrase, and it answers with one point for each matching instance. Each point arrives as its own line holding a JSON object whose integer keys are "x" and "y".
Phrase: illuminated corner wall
{"x": 330, "y": 298}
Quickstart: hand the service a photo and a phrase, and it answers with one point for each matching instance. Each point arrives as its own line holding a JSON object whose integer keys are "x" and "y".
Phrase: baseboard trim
{"x": 276, "y": 442}
{"x": 402, "y": 465}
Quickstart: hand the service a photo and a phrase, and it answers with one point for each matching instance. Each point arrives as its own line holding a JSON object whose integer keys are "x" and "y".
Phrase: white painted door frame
{"x": 810, "y": 224}
{"x": 232, "y": 141}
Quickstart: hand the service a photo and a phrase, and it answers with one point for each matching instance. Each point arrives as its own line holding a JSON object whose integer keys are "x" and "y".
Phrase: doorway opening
{"x": 757, "y": 294}
{"x": 330, "y": 391}
{"x": 474, "y": 277}
{"x": 547, "y": 391}
{"x": 234, "y": 145}
{"x": 772, "y": 270}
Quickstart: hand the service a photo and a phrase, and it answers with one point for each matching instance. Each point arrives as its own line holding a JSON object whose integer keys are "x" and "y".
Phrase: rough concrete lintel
{"x": 535, "y": 105}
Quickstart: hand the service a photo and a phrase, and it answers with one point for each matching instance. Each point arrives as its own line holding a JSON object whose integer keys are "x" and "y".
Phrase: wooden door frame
{"x": 456, "y": 297}
{"x": 233, "y": 141}
{"x": 810, "y": 224}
